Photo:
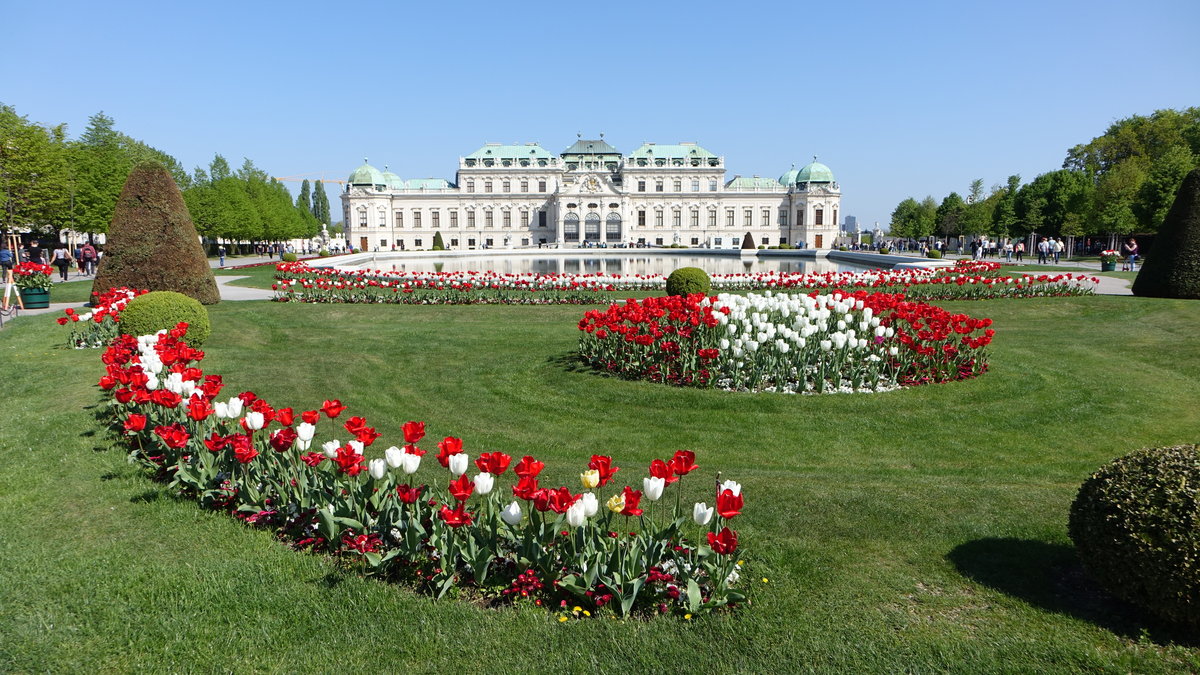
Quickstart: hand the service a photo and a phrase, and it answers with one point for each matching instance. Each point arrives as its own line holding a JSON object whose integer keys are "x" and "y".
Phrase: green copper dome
{"x": 815, "y": 172}
{"x": 789, "y": 177}
{"x": 391, "y": 180}
{"x": 366, "y": 175}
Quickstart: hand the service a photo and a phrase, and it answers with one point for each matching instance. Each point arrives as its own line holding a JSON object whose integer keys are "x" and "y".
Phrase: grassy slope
{"x": 921, "y": 529}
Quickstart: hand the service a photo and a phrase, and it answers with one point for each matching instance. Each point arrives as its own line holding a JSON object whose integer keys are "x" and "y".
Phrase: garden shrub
{"x": 933, "y": 253}
{"x": 885, "y": 250}
{"x": 1136, "y": 523}
{"x": 152, "y": 242}
{"x": 324, "y": 253}
{"x": 1172, "y": 265}
{"x": 747, "y": 241}
{"x": 437, "y": 242}
{"x": 688, "y": 280}
{"x": 147, "y": 314}
{"x": 289, "y": 257}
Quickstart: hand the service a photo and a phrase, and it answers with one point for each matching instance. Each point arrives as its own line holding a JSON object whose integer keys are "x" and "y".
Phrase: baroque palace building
{"x": 507, "y": 196}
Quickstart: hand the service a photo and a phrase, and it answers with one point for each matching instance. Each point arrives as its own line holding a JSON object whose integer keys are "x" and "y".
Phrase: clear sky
{"x": 898, "y": 98}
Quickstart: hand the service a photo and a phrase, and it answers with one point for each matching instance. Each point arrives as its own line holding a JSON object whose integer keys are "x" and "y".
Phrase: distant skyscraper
{"x": 851, "y": 225}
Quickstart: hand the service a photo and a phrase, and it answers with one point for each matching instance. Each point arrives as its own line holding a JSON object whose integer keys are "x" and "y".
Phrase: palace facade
{"x": 507, "y": 196}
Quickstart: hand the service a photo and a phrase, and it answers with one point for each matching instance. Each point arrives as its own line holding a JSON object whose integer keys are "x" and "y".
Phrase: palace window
{"x": 695, "y": 185}
{"x": 728, "y": 217}
{"x": 506, "y": 186}
{"x": 658, "y": 218}
{"x": 712, "y": 217}
{"x": 541, "y": 185}
{"x": 362, "y": 218}
{"x": 819, "y": 217}
{"x": 470, "y": 217}
{"x": 747, "y": 217}
{"x": 541, "y": 218}
{"x": 470, "y": 186}
{"x": 506, "y": 217}
{"x": 418, "y": 242}
{"x": 524, "y": 186}
{"x": 416, "y": 218}
{"x": 487, "y": 242}
{"x": 399, "y": 219}
{"x": 678, "y": 185}
{"x": 695, "y": 241}
{"x": 783, "y": 217}
{"x": 487, "y": 186}
{"x": 676, "y": 217}
{"x": 835, "y": 220}
{"x": 641, "y": 186}
{"x": 712, "y": 184}
{"x": 658, "y": 186}
{"x": 695, "y": 219}
{"x": 766, "y": 241}
{"x": 383, "y": 243}
{"x": 436, "y": 219}
{"x": 641, "y": 218}
{"x": 800, "y": 217}
{"x": 766, "y": 217}
{"x": 454, "y": 218}
{"x": 454, "y": 242}
{"x": 488, "y": 221}
{"x": 524, "y": 217}
{"x": 382, "y": 218}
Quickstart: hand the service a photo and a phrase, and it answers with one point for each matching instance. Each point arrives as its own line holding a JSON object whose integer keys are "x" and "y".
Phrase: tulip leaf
{"x": 349, "y": 522}
{"x": 373, "y": 559}
{"x": 628, "y": 598}
{"x": 693, "y": 595}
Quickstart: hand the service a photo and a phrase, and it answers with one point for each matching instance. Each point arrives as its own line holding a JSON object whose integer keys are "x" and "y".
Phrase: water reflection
{"x": 642, "y": 263}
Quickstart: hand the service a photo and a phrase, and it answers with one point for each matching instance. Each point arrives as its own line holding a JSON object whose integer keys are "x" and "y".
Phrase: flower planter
{"x": 35, "y": 298}
{"x": 1108, "y": 266}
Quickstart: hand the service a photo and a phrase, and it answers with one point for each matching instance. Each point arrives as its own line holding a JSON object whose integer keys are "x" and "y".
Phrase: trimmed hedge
{"x": 152, "y": 312}
{"x": 688, "y": 280}
{"x": 1172, "y": 266}
{"x": 289, "y": 257}
{"x": 933, "y": 253}
{"x": 1136, "y": 523}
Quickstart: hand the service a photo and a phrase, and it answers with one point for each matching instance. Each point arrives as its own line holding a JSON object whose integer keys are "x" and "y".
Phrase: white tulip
{"x": 702, "y": 513}
{"x": 735, "y": 488}
{"x": 394, "y": 457}
{"x": 378, "y": 468}
{"x": 458, "y": 463}
{"x": 302, "y": 444}
{"x": 356, "y": 446}
{"x": 331, "y": 448}
{"x": 221, "y": 410}
{"x": 511, "y": 514}
{"x": 235, "y": 407}
{"x": 590, "y": 504}
{"x": 653, "y": 488}
{"x": 484, "y": 482}
{"x": 254, "y": 420}
{"x": 305, "y": 431}
{"x": 151, "y": 382}
{"x": 410, "y": 463}
{"x": 576, "y": 515}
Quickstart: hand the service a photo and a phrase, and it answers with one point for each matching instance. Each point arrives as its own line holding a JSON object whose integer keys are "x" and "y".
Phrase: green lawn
{"x": 918, "y": 530}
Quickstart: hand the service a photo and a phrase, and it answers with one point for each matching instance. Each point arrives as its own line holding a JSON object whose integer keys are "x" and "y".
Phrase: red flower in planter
{"x": 175, "y": 436}
{"x": 285, "y": 416}
{"x": 350, "y": 462}
{"x": 659, "y": 469}
{"x": 199, "y": 409}
{"x": 409, "y": 494}
{"x": 135, "y": 422}
{"x": 283, "y": 439}
{"x": 525, "y": 488}
{"x": 724, "y": 543}
{"x": 310, "y": 416}
{"x": 632, "y": 498}
{"x": 355, "y": 424}
{"x": 313, "y": 459}
{"x": 216, "y": 442}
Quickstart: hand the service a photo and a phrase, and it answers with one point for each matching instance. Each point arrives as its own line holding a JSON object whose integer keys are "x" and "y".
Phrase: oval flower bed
{"x": 97, "y": 327}
{"x": 425, "y": 521}
{"x": 297, "y": 282}
{"x": 840, "y": 342}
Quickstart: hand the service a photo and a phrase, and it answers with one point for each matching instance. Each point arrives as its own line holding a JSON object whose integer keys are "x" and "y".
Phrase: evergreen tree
{"x": 437, "y": 241}
{"x": 949, "y": 215}
{"x": 1004, "y": 216}
{"x": 35, "y": 176}
{"x": 1172, "y": 267}
{"x": 1158, "y": 192}
{"x": 304, "y": 201}
{"x": 152, "y": 242}
{"x": 320, "y": 207}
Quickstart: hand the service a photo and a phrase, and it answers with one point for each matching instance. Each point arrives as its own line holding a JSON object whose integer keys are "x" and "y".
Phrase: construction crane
{"x": 304, "y": 176}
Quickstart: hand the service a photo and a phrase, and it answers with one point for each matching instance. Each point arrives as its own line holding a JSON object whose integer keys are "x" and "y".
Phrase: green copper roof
{"x": 814, "y": 172}
{"x": 366, "y": 175}
{"x": 393, "y": 181}
{"x": 679, "y": 151}
{"x": 789, "y": 176}
{"x": 586, "y": 147}
{"x": 753, "y": 182}
{"x": 427, "y": 184}
{"x": 498, "y": 151}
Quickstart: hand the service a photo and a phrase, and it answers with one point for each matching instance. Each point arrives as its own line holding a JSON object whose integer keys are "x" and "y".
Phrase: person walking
{"x": 1008, "y": 250}
{"x": 1057, "y": 247}
{"x": 88, "y": 253}
{"x": 221, "y": 255}
{"x": 1019, "y": 250}
{"x": 62, "y": 260}
{"x": 1129, "y": 251}
{"x": 1043, "y": 249}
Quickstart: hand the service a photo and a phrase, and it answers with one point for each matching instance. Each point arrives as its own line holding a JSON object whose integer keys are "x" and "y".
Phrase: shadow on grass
{"x": 1050, "y": 576}
{"x": 570, "y": 362}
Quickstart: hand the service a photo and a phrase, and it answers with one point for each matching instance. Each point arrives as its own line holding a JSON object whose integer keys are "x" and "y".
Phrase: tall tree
{"x": 1116, "y": 197}
{"x": 1004, "y": 217}
{"x": 1163, "y": 179}
{"x": 949, "y": 215}
{"x": 304, "y": 200}
{"x": 321, "y": 204}
{"x": 219, "y": 168}
{"x": 976, "y": 217}
{"x": 35, "y": 182}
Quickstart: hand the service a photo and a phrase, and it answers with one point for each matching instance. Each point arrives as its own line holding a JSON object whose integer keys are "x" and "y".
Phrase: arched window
{"x": 612, "y": 228}
{"x": 591, "y": 226}
{"x": 571, "y": 226}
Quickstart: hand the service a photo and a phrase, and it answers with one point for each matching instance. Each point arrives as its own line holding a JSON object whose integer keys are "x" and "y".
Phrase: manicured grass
{"x": 918, "y": 530}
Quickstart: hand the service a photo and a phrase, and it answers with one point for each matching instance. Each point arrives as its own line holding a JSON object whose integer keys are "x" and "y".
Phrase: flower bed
{"x": 425, "y": 522}
{"x": 839, "y": 342}
{"x": 98, "y": 327}
{"x": 297, "y": 282}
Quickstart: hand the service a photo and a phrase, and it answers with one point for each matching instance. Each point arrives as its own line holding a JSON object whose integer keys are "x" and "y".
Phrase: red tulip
{"x": 448, "y": 446}
{"x": 166, "y": 398}
{"x": 456, "y": 517}
{"x": 408, "y": 494}
{"x": 462, "y": 488}
{"x": 604, "y": 465}
{"x": 313, "y": 458}
{"x": 175, "y": 436}
{"x": 525, "y": 488}
{"x": 561, "y": 499}
{"x": 333, "y": 408}
{"x": 683, "y": 463}
{"x": 528, "y": 467}
{"x": 283, "y": 439}
{"x": 494, "y": 463}
{"x": 414, "y": 450}
{"x": 135, "y": 422}
{"x": 366, "y": 435}
{"x": 659, "y": 469}
{"x": 199, "y": 409}
{"x": 310, "y": 416}
{"x": 354, "y": 424}
{"x": 216, "y": 442}
{"x": 724, "y": 543}
{"x": 632, "y": 497}
{"x": 245, "y": 453}
{"x": 123, "y": 395}
{"x": 729, "y": 504}
{"x": 349, "y": 461}
{"x": 285, "y": 416}
{"x": 413, "y": 432}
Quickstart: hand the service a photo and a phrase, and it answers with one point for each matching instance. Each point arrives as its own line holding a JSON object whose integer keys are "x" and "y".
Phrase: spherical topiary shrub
{"x": 289, "y": 257}
{"x": 147, "y": 314}
{"x": 1136, "y": 523}
{"x": 933, "y": 253}
{"x": 686, "y": 280}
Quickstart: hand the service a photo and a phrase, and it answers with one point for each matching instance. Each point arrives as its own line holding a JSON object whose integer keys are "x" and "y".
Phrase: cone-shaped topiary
{"x": 747, "y": 241}
{"x": 437, "y": 242}
{"x": 688, "y": 280}
{"x": 1136, "y": 524}
{"x": 152, "y": 242}
{"x": 1172, "y": 267}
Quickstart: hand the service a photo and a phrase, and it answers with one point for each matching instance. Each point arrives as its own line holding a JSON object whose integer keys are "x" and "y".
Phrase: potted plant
{"x": 33, "y": 281}
{"x": 1108, "y": 261}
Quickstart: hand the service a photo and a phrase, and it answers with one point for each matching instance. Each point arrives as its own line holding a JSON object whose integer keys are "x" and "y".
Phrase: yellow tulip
{"x": 590, "y": 478}
{"x": 616, "y": 503}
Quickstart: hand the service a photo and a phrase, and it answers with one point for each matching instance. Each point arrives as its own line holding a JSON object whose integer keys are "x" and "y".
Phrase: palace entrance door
{"x": 817, "y": 241}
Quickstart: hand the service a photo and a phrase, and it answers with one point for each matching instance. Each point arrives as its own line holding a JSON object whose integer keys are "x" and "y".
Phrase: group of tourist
{"x": 84, "y": 256}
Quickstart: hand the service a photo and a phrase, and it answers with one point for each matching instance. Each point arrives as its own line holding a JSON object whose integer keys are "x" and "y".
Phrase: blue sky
{"x": 899, "y": 99}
